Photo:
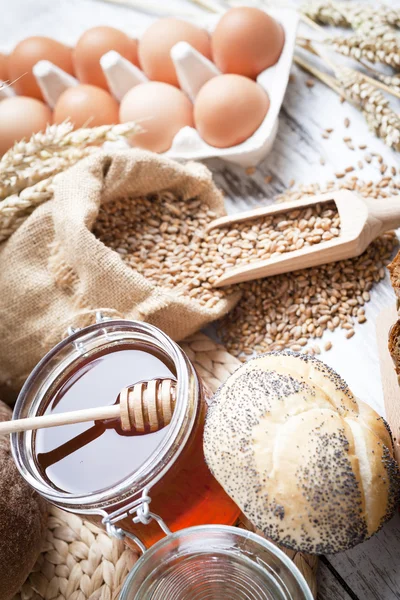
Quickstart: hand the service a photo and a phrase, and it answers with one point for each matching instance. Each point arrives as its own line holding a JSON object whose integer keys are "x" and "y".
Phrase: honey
{"x": 97, "y": 469}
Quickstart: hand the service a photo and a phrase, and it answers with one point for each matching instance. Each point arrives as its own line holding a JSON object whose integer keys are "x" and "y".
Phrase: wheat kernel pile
{"x": 165, "y": 239}
{"x": 288, "y": 311}
{"x": 261, "y": 239}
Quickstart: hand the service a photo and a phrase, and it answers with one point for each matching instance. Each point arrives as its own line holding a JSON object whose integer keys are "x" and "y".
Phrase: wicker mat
{"x": 79, "y": 561}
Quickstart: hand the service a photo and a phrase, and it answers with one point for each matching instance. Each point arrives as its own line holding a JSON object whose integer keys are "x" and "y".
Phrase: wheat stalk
{"x": 375, "y": 107}
{"x": 392, "y": 81}
{"x": 325, "y": 13}
{"x": 29, "y": 169}
{"x": 351, "y": 84}
{"x": 388, "y": 83}
{"x": 374, "y": 38}
{"x": 383, "y": 49}
{"x": 52, "y": 151}
{"x": 350, "y": 14}
{"x": 15, "y": 209}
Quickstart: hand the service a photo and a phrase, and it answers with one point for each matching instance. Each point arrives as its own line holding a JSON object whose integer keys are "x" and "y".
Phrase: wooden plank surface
{"x": 331, "y": 585}
{"x": 370, "y": 571}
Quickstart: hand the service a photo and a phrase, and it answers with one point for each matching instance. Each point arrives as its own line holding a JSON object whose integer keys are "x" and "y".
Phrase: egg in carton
{"x": 193, "y": 71}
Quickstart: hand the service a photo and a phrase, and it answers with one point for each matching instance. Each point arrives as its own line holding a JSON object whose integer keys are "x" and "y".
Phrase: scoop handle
{"x": 386, "y": 212}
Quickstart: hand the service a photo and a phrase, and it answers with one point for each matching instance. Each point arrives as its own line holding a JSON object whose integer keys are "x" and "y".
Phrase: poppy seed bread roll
{"x": 306, "y": 462}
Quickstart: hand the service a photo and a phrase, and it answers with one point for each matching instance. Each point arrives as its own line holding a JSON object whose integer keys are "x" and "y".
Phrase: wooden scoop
{"x": 143, "y": 408}
{"x": 361, "y": 221}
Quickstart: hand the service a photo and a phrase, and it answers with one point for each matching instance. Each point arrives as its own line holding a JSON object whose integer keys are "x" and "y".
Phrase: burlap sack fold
{"x": 54, "y": 273}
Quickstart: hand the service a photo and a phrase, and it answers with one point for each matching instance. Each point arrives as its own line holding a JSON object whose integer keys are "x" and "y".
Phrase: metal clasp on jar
{"x": 79, "y": 346}
{"x": 141, "y": 509}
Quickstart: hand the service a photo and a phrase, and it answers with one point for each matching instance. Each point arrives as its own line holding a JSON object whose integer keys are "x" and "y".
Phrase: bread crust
{"x": 308, "y": 464}
{"x": 394, "y": 345}
{"x": 394, "y": 270}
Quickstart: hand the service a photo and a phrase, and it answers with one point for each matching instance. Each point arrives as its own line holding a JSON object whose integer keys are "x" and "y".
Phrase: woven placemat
{"x": 80, "y": 561}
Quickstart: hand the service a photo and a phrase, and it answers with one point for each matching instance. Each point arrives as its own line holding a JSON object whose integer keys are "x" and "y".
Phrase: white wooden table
{"x": 371, "y": 571}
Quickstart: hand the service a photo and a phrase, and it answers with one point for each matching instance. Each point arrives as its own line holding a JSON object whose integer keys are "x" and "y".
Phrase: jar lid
{"x": 79, "y": 347}
{"x": 211, "y": 562}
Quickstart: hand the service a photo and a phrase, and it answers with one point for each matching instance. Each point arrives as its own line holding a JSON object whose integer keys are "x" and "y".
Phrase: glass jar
{"x": 212, "y": 562}
{"x": 173, "y": 485}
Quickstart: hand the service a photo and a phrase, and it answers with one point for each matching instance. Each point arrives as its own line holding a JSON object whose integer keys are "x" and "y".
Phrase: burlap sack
{"x": 54, "y": 273}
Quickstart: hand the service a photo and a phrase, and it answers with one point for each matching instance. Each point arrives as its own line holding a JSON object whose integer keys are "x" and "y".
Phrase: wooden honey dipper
{"x": 144, "y": 407}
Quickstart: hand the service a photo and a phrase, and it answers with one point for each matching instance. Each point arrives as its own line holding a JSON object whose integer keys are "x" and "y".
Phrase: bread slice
{"x": 394, "y": 346}
{"x": 394, "y": 333}
{"x": 394, "y": 270}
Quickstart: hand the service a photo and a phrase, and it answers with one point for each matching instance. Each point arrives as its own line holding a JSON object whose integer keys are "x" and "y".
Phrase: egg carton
{"x": 192, "y": 74}
{"x": 193, "y": 71}
{"x": 6, "y": 90}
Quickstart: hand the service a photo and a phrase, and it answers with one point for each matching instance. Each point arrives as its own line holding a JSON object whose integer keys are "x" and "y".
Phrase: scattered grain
{"x": 165, "y": 239}
{"x": 284, "y": 309}
{"x": 250, "y": 170}
{"x": 346, "y": 122}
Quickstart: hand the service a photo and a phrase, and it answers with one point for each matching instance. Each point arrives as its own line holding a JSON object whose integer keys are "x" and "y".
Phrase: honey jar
{"x": 134, "y": 485}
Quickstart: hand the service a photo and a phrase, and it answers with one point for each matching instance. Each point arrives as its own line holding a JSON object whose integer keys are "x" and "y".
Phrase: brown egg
{"x": 247, "y": 41}
{"x": 160, "y": 109}
{"x": 86, "y": 106}
{"x": 157, "y": 41}
{"x": 27, "y": 53}
{"x": 228, "y": 110}
{"x": 3, "y": 67}
{"x": 93, "y": 44}
{"x": 21, "y": 116}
